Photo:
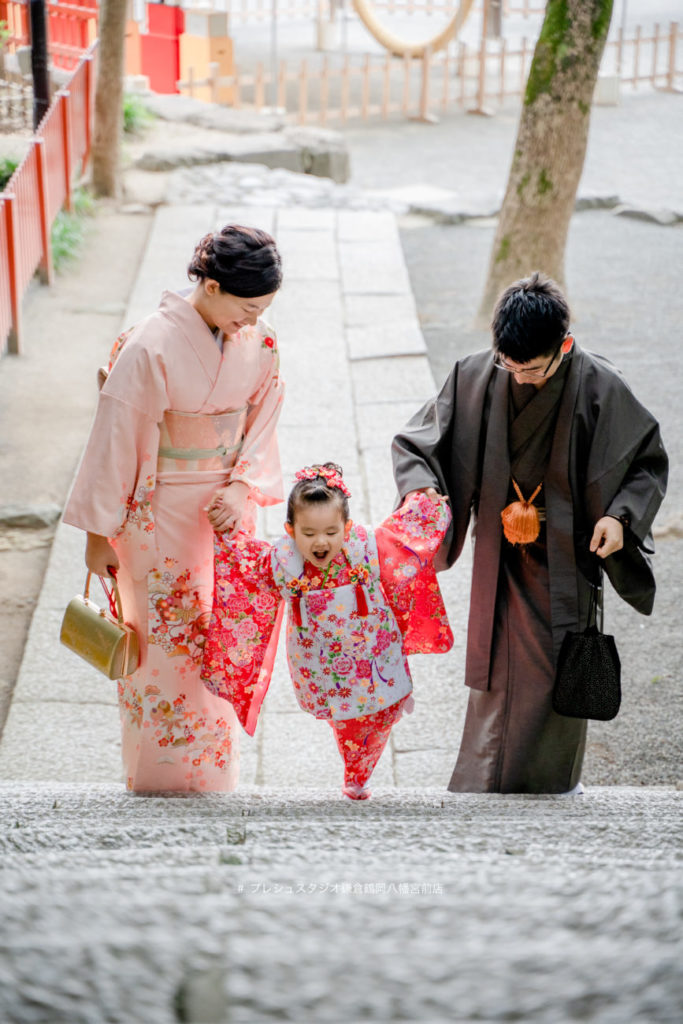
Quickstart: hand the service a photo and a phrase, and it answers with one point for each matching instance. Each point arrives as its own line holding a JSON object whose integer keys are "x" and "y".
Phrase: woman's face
{"x": 227, "y": 312}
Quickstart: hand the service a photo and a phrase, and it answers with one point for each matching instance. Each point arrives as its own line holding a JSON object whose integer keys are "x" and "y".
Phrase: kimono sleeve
{"x": 259, "y": 461}
{"x": 115, "y": 481}
{"x": 241, "y": 640}
{"x": 407, "y": 542}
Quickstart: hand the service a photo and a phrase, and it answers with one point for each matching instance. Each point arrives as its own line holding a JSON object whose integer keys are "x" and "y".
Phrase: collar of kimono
{"x": 291, "y": 561}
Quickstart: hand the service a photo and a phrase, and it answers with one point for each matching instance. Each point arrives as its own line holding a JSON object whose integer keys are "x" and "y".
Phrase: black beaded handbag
{"x": 588, "y": 680}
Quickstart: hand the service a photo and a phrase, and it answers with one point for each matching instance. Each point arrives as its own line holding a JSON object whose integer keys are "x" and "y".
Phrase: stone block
{"x": 367, "y": 226}
{"x": 374, "y": 268}
{"x": 417, "y": 768}
{"x": 62, "y": 743}
{"x": 324, "y": 152}
{"x": 308, "y": 255}
{"x": 378, "y": 423}
{"x": 361, "y": 310}
{"x": 29, "y": 517}
{"x": 384, "y": 340}
{"x": 298, "y": 218}
{"x": 172, "y": 228}
{"x": 399, "y": 380}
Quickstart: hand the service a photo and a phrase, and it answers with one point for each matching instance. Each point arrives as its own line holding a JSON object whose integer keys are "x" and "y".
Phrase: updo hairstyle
{"x": 312, "y": 492}
{"x": 244, "y": 261}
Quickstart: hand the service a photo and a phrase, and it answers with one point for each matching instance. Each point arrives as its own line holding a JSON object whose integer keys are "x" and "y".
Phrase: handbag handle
{"x": 596, "y": 587}
{"x": 113, "y": 596}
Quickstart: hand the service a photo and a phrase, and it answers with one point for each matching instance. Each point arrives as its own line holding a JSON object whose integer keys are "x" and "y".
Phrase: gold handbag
{"x": 99, "y": 635}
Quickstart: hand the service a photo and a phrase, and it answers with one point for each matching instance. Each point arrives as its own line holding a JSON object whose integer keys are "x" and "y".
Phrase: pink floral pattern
{"x": 178, "y": 623}
{"x": 345, "y": 663}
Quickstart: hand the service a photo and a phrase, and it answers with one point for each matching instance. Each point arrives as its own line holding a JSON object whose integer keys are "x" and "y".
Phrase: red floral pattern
{"x": 178, "y": 622}
{"x": 341, "y": 655}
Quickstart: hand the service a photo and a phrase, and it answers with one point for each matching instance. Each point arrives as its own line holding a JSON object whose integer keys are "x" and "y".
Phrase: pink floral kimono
{"x": 348, "y": 629}
{"x": 177, "y": 418}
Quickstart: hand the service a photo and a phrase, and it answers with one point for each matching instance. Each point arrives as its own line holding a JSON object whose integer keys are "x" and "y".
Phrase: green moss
{"x": 551, "y": 41}
{"x": 523, "y": 184}
{"x": 583, "y": 106}
{"x": 544, "y": 183}
{"x": 600, "y": 23}
{"x": 503, "y": 250}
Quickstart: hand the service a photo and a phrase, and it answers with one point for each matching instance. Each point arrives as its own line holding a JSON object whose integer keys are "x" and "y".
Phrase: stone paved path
{"x": 281, "y": 904}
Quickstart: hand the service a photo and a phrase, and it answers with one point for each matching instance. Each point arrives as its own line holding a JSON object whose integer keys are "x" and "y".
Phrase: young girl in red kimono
{"x": 359, "y": 600}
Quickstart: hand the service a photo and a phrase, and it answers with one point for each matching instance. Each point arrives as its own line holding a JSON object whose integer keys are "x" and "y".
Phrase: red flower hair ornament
{"x": 330, "y": 476}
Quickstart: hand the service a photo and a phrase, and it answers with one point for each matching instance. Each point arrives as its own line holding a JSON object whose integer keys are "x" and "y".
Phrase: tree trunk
{"x": 39, "y": 61}
{"x": 109, "y": 98}
{"x": 550, "y": 147}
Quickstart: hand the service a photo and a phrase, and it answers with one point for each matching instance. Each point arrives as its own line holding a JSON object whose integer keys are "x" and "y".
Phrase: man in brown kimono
{"x": 537, "y": 410}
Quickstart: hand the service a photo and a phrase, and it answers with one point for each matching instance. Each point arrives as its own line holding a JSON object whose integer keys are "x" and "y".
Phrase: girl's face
{"x": 319, "y": 531}
{"x": 227, "y": 312}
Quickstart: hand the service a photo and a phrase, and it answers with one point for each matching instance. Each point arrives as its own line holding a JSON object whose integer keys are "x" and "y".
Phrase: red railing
{"x": 36, "y": 192}
{"x": 71, "y": 28}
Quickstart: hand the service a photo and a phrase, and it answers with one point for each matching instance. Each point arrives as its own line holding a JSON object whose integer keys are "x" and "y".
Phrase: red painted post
{"x": 14, "y": 337}
{"x": 65, "y": 103}
{"x": 89, "y": 85}
{"x": 45, "y": 266}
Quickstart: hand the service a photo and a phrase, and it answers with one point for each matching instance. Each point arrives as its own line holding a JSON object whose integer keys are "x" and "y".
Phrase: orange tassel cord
{"x": 521, "y": 524}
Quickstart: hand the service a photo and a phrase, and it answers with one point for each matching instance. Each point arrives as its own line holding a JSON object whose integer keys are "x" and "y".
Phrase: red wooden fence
{"x": 36, "y": 192}
{"x": 71, "y": 28}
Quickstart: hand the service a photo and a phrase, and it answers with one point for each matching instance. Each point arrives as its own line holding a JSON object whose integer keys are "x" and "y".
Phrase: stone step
{"x": 276, "y": 904}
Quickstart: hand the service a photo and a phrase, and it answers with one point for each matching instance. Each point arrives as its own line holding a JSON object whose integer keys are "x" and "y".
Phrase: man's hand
{"x": 227, "y": 507}
{"x": 608, "y": 537}
{"x": 429, "y": 491}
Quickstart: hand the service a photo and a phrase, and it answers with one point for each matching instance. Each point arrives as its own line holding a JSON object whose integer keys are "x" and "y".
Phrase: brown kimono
{"x": 597, "y": 452}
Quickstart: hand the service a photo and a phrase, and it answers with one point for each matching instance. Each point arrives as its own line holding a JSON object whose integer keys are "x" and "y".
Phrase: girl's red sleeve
{"x": 407, "y": 543}
{"x": 241, "y": 640}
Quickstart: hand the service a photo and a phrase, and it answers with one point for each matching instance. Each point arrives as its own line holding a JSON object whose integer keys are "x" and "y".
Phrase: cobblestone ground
{"x": 273, "y": 905}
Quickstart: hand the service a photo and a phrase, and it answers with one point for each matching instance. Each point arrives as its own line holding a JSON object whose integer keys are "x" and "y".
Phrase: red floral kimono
{"x": 349, "y": 629}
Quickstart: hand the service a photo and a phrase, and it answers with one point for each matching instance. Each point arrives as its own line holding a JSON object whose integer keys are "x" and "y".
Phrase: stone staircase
{"x": 272, "y": 904}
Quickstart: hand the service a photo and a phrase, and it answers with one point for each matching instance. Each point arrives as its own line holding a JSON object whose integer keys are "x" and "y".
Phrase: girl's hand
{"x": 227, "y": 507}
{"x": 100, "y": 556}
{"x": 608, "y": 537}
{"x": 429, "y": 491}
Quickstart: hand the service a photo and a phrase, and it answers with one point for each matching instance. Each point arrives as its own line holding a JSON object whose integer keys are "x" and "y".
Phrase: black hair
{"x": 531, "y": 319}
{"x": 315, "y": 491}
{"x": 244, "y": 261}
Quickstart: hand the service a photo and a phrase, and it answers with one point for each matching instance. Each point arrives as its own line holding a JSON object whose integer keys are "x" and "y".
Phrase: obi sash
{"x": 345, "y": 661}
{"x": 199, "y": 442}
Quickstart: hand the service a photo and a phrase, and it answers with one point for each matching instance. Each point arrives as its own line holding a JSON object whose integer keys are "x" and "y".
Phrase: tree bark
{"x": 109, "y": 99}
{"x": 550, "y": 148}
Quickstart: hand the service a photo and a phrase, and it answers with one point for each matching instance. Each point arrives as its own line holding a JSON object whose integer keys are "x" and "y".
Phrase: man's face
{"x": 537, "y": 371}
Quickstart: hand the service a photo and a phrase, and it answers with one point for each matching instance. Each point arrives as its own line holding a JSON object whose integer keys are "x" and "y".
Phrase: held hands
{"x": 429, "y": 491}
{"x": 100, "y": 557}
{"x": 227, "y": 507}
{"x": 608, "y": 537}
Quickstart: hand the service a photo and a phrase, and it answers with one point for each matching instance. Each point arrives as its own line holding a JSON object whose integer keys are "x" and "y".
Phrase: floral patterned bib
{"x": 344, "y": 647}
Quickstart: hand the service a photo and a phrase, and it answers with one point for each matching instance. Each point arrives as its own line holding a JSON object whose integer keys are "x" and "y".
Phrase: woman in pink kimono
{"x": 359, "y": 601}
{"x": 183, "y": 443}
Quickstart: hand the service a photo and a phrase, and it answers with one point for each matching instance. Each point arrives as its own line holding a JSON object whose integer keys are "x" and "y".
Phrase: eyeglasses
{"x": 535, "y": 371}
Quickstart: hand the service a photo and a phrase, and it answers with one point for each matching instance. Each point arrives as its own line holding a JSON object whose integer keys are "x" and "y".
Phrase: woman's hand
{"x": 608, "y": 537}
{"x": 100, "y": 556}
{"x": 227, "y": 507}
